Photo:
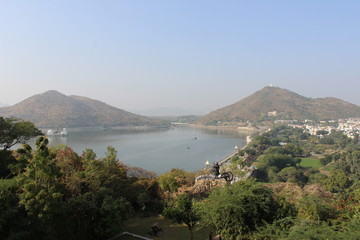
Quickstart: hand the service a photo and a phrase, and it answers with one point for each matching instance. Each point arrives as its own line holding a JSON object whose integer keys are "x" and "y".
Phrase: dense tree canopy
{"x": 61, "y": 195}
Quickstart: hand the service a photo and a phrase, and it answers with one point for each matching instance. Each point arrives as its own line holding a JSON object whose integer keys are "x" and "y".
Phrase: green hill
{"x": 287, "y": 104}
{"x": 53, "y": 109}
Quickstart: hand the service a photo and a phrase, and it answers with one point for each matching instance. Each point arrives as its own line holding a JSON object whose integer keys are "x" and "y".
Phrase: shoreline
{"x": 232, "y": 128}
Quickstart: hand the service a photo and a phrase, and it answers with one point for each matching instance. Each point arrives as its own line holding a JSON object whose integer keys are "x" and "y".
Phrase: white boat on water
{"x": 52, "y": 132}
{"x": 63, "y": 132}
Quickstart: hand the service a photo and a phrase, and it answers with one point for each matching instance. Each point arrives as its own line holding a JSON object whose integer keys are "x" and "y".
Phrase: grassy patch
{"x": 172, "y": 231}
{"x": 329, "y": 167}
{"x": 310, "y": 163}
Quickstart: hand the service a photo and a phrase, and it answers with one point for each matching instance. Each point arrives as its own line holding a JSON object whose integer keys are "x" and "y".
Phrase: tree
{"x": 294, "y": 149}
{"x": 277, "y": 160}
{"x": 291, "y": 174}
{"x": 13, "y": 224}
{"x": 107, "y": 174}
{"x": 338, "y": 181}
{"x": 172, "y": 180}
{"x": 146, "y": 196}
{"x": 106, "y": 194}
{"x": 41, "y": 193}
{"x": 237, "y": 210}
{"x": 182, "y": 212}
{"x": 316, "y": 209}
{"x": 326, "y": 159}
{"x": 14, "y": 131}
{"x": 270, "y": 164}
{"x": 71, "y": 168}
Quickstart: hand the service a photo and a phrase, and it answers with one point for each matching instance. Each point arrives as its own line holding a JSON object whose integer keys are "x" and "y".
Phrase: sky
{"x": 194, "y": 55}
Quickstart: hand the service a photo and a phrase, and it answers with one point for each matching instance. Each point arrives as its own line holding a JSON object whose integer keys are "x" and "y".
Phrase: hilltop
{"x": 284, "y": 104}
{"x": 54, "y": 109}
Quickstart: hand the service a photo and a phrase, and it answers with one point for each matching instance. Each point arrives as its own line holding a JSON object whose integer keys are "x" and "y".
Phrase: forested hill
{"x": 53, "y": 109}
{"x": 287, "y": 104}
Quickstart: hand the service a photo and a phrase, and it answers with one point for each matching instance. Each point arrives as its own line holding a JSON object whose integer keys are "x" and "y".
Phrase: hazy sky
{"x": 191, "y": 54}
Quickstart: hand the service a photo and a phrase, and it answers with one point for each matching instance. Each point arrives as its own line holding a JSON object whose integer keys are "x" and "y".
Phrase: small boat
{"x": 50, "y": 132}
{"x": 63, "y": 132}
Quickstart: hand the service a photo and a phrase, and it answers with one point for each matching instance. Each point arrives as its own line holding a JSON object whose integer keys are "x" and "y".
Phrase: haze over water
{"x": 158, "y": 150}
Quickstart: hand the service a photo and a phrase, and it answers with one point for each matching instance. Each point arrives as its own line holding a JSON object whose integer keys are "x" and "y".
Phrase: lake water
{"x": 158, "y": 150}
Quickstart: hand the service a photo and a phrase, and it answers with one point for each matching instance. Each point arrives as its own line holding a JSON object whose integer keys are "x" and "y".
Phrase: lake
{"x": 157, "y": 150}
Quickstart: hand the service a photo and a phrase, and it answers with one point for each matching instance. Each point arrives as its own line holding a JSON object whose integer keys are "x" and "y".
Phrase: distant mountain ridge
{"x": 54, "y": 109}
{"x": 286, "y": 104}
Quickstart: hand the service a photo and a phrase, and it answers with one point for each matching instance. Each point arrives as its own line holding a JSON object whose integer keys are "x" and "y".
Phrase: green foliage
{"x": 238, "y": 210}
{"x": 106, "y": 176}
{"x": 146, "y": 197}
{"x": 294, "y": 150}
{"x": 234, "y": 158}
{"x": 14, "y": 131}
{"x": 41, "y": 192}
{"x": 250, "y": 151}
{"x": 172, "y": 180}
{"x": 6, "y": 160}
{"x": 289, "y": 149}
{"x": 8, "y": 206}
{"x": 261, "y": 142}
{"x": 316, "y": 209}
{"x": 61, "y": 195}
{"x": 112, "y": 216}
{"x": 181, "y": 210}
{"x": 310, "y": 230}
{"x": 279, "y": 161}
{"x": 22, "y": 156}
{"x": 326, "y": 159}
{"x": 292, "y": 174}
{"x": 350, "y": 162}
{"x": 270, "y": 164}
{"x": 327, "y": 140}
{"x": 338, "y": 181}
{"x": 317, "y": 177}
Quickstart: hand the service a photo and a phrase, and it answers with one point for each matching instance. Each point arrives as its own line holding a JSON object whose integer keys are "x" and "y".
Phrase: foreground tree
{"x": 182, "y": 212}
{"x": 238, "y": 210}
{"x": 14, "y": 131}
{"x": 41, "y": 192}
{"x": 107, "y": 191}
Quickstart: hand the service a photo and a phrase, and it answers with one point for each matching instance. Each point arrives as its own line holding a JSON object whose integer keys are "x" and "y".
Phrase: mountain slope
{"x": 53, "y": 109}
{"x": 287, "y": 104}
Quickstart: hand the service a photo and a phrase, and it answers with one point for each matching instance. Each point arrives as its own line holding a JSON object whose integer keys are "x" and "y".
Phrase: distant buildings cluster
{"x": 349, "y": 126}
